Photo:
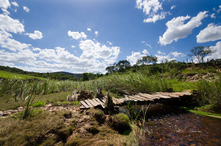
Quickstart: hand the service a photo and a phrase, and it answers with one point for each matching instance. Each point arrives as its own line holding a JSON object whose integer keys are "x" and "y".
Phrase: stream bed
{"x": 167, "y": 125}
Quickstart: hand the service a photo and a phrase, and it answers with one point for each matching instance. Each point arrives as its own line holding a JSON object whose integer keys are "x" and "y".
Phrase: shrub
{"x": 121, "y": 123}
{"x": 39, "y": 103}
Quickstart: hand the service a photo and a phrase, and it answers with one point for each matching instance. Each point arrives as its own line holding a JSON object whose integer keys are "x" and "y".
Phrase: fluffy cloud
{"x": 159, "y": 52}
{"x": 4, "y": 4}
{"x": 156, "y": 17}
{"x": 96, "y": 33}
{"x": 88, "y": 29}
{"x": 10, "y": 25}
{"x": 92, "y": 49}
{"x": 36, "y": 35}
{"x": 216, "y": 52}
{"x": 77, "y": 35}
{"x": 136, "y": 55}
{"x": 211, "y": 33}
{"x": 23, "y": 56}
{"x": 163, "y": 58}
{"x": 219, "y": 9}
{"x": 172, "y": 7}
{"x": 213, "y": 15}
{"x": 176, "y": 54}
{"x": 151, "y": 8}
{"x": 26, "y": 8}
{"x": 15, "y": 4}
{"x": 176, "y": 28}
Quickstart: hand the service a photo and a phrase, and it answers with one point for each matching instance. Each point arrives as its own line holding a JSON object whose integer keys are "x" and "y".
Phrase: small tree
{"x": 147, "y": 59}
{"x": 200, "y": 52}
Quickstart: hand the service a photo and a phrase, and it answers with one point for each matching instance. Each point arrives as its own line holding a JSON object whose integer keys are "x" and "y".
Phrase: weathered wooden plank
{"x": 101, "y": 103}
{"x": 82, "y": 107}
{"x": 120, "y": 100}
{"x": 149, "y": 96}
{"x": 88, "y": 103}
{"x": 96, "y": 102}
{"x": 133, "y": 98}
{"x": 162, "y": 95}
{"x": 92, "y": 102}
{"x": 172, "y": 95}
{"x": 115, "y": 101}
{"x": 84, "y": 104}
{"x": 136, "y": 98}
{"x": 143, "y": 98}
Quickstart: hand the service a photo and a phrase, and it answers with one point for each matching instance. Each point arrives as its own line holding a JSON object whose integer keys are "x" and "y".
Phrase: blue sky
{"x": 87, "y": 35}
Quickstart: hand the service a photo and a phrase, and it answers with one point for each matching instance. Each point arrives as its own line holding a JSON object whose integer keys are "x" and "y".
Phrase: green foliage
{"x": 76, "y": 103}
{"x": 147, "y": 59}
{"x": 87, "y": 76}
{"x": 39, "y": 103}
{"x": 210, "y": 93}
{"x": 121, "y": 66}
{"x": 200, "y": 52}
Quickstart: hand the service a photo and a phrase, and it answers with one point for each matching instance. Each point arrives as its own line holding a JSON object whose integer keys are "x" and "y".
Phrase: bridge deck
{"x": 141, "y": 97}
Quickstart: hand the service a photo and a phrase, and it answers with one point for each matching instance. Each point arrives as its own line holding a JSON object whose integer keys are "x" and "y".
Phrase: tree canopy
{"x": 200, "y": 52}
{"x": 147, "y": 59}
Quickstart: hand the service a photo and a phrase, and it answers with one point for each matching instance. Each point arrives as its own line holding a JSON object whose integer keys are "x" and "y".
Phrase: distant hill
{"x": 67, "y": 73}
{"x": 53, "y": 75}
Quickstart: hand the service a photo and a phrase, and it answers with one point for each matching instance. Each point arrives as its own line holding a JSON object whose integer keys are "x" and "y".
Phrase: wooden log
{"x": 92, "y": 102}
{"x": 88, "y": 103}
{"x": 84, "y": 104}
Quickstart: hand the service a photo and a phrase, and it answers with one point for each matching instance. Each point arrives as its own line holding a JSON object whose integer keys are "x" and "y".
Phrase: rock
{"x": 20, "y": 109}
{"x": 1, "y": 113}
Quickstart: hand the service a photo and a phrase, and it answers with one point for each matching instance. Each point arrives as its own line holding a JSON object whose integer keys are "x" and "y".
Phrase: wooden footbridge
{"x": 141, "y": 98}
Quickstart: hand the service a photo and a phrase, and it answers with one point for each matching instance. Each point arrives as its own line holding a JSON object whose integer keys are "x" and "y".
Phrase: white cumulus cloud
{"x": 136, "y": 55}
{"x": 77, "y": 35}
{"x": 10, "y": 25}
{"x": 219, "y": 9}
{"x": 26, "y": 8}
{"x": 216, "y": 52}
{"x": 4, "y": 4}
{"x": 96, "y": 33}
{"x": 151, "y": 8}
{"x": 177, "y": 54}
{"x": 213, "y": 15}
{"x": 172, "y": 7}
{"x": 211, "y": 33}
{"x": 176, "y": 29}
{"x": 15, "y": 4}
{"x": 92, "y": 49}
{"x": 88, "y": 29}
{"x": 36, "y": 35}
{"x": 159, "y": 52}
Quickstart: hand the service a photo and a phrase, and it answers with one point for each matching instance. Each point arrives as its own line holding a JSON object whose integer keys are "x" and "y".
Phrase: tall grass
{"x": 210, "y": 93}
{"x": 127, "y": 83}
